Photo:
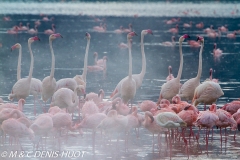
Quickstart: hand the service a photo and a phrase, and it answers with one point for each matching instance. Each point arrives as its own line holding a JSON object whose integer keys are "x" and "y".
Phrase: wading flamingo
{"x": 50, "y": 31}
{"x": 21, "y": 88}
{"x": 137, "y": 77}
{"x": 171, "y": 88}
{"x": 167, "y": 43}
{"x": 49, "y": 82}
{"x": 188, "y": 88}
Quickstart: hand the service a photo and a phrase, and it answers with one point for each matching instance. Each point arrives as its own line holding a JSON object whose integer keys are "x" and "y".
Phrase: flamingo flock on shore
{"x": 176, "y": 108}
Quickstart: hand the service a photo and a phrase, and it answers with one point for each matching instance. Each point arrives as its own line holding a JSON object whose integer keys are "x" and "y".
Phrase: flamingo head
{"x": 215, "y": 45}
{"x": 54, "y": 36}
{"x": 210, "y": 71}
{"x": 201, "y": 39}
{"x": 176, "y": 99}
{"x": 148, "y": 31}
{"x": 131, "y": 34}
{"x": 95, "y": 54}
{"x": 170, "y": 69}
{"x": 105, "y": 58}
{"x": 213, "y": 107}
{"x": 87, "y": 35}
{"x": 32, "y": 39}
{"x": 101, "y": 92}
{"x": 17, "y": 45}
{"x": 182, "y": 38}
{"x": 53, "y": 25}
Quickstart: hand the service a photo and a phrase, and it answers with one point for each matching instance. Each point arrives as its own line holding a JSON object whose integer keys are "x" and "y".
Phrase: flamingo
{"x": 207, "y": 92}
{"x": 217, "y": 53}
{"x": 194, "y": 43}
{"x": 33, "y": 30}
{"x": 21, "y": 88}
{"x": 188, "y": 88}
{"x": 21, "y": 102}
{"x": 13, "y": 31}
{"x": 200, "y": 25}
{"x": 178, "y": 104}
{"x": 129, "y": 29}
{"x": 97, "y": 98}
{"x": 224, "y": 28}
{"x": 207, "y": 30}
{"x": 50, "y": 31}
{"x": 122, "y": 45}
{"x": 120, "y": 107}
{"x": 66, "y": 98}
{"x": 119, "y": 31}
{"x": 23, "y": 28}
{"x": 81, "y": 79}
{"x": 186, "y": 25}
{"x": 232, "y": 107}
{"x": 55, "y": 109}
{"x": 170, "y": 75}
{"x": 16, "y": 129}
{"x": 232, "y": 35}
{"x": 100, "y": 62}
{"x": 147, "y": 105}
{"x": 167, "y": 43}
{"x": 174, "y": 30}
{"x": 89, "y": 108}
{"x": 7, "y": 113}
{"x": 98, "y": 68}
{"x": 36, "y": 84}
{"x": 137, "y": 77}
{"x": 49, "y": 82}
{"x": 171, "y": 88}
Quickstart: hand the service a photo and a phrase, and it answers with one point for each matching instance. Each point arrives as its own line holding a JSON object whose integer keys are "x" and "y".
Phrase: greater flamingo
{"x": 36, "y": 84}
{"x": 21, "y": 88}
{"x": 232, "y": 107}
{"x": 188, "y": 88}
{"x": 171, "y": 88}
{"x": 33, "y": 30}
{"x": 49, "y": 82}
{"x": 50, "y": 31}
{"x": 174, "y": 30}
{"x": 137, "y": 77}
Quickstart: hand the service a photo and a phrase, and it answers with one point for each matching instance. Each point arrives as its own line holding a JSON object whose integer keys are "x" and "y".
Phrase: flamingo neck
{"x": 53, "y": 60}
{"x": 15, "y": 111}
{"x": 200, "y": 62}
{"x": 19, "y": 63}
{"x": 95, "y": 59}
{"x": 20, "y": 105}
{"x": 84, "y": 74}
{"x": 32, "y": 61}
{"x": 53, "y": 29}
{"x": 181, "y": 61}
{"x": 130, "y": 59}
{"x": 142, "y": 73}
{"x": 168, "y": 124}
{"x": 75, "y": 99}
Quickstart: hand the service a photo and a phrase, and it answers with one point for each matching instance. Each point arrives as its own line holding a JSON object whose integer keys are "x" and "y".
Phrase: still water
{"x": 73, "y": 20}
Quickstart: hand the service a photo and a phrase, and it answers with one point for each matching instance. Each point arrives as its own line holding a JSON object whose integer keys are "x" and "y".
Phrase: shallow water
{"x": 69, "y": 54}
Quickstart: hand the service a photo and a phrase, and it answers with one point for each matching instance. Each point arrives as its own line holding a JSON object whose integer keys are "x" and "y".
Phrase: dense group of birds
{"x": 117, "y": 115}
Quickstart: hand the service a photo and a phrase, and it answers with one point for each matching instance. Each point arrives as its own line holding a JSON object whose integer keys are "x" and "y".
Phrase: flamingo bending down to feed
{"x": 137, "y": 77}
{"x": 81, "y": 79}
{"x": 21, "y": 88}
{"x": 170, "y": 75}
{"x": 171, "y": 88}
{"x": 188, "y": 88}
{"x": 49, "y": 82}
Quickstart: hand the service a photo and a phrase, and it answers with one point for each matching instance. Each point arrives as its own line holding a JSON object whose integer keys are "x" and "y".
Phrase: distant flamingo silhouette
{"x": 50, "y": 31}
{"x": 49, "y": 82}
{"x": 137, "y": 77}
{"x": 188, "y": 88}
{"x": 171, "y": 88}
{"x": 217, "y": 53}
{"x": 21, "y": 88}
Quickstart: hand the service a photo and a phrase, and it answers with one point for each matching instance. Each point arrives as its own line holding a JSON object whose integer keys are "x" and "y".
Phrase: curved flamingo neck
{"x": 15, "y": 111}
{"x": 142, "y": 73}
{"x": 19, "y": 63}
{"x": 181, "y": 61}
{"x": 84, "y": 74}
{"x": 53, "y": 60}
{"x": 169, "y": 124}
{"x": 32, "y": 61}
{"x": 130, "y": 59}
{"x": 200, "y": 62}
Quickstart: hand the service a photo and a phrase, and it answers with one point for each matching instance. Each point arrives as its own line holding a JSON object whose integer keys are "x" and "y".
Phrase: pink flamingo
{"x": 6, "y": 18}
{"x": 214, "y": 34}
{"x": 173, "y": 20}
{"x": 224, "y": 28}
{"x": 232, "y": 35}
{"x": 178, "y": 104}
{"x": 119, "y": 31}
{"x": 122, "y": 45}
{"x": 36, "y": 84}
{"x": 194, "y": 43}
{"x": 147, "y": 105}
{"x": 89, "y": 108}
{"x": 55, "y": 109}
{"x": 49, "y": 82}
{"x": 174, "y": 30}
{"x": 137, "y": 77}
{"x": 120, "y": 107}
{"x": 200, "y": 25}
{"x": 129, "y": 29}
{"x": 21, "y": 88}
{"x": 207, "y": 30}
{"x": 81, "y": 79}
{"x": 7, "y": 113}
{"x": 99, "y": 68}
{"x": 33, "y": 30}
{"x": 167, "y": 43}
{"x": 170, "y": 75}
{"x": 188, "y": 88}
{"x": 171, "y": 88}
{"x": 13, "y": 31}
{"x": 61, "y": 120}
{"x": 97, "y": 98}
{"x": 23, "y": 28}
{"x": 37, "y": 22}
{"x": 101, "y": 28}
{"x": 232, "y": 107}
{"x": 186, "y": 25}
{"x": 16, "y": 129}
{"x": 19, "y": 107}
{"x": 50, "y": 31}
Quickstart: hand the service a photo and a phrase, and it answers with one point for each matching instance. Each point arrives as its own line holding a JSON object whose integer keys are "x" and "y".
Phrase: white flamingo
{"x": 137, "y": 77}
{"x": 49, "y": 82}
{"x": 188, "y": 88}
{"x": 171, "y": 88}
{"x": 36, "y": 84}
{"x": 21, "y": 89}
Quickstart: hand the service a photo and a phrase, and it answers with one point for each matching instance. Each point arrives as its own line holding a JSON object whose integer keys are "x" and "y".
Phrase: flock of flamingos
{"x": 169, "y": 116}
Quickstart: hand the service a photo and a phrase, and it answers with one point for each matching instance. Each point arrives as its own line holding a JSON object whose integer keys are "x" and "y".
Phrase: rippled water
{"x": 69, "y": 53}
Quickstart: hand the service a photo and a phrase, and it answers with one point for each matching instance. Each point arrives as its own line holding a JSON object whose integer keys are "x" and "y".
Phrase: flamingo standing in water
{"x": 21, "y": 89}
{"x": 167, "y": 43}
{"x": 174, "y": 30}
{"x": 217, "y": 53}
{"x": 49, "y": 82}
{"x": 137, "y": 77}
{"x": 36, "y": 84}
{"x": 188, "y": 88}
{"x": 81, "y": 79}
{"x": 50, "y": 31}
{"x": 171, "y": 88}
{"x": 33, "y": 30}
{"x": 170, "y": 75}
